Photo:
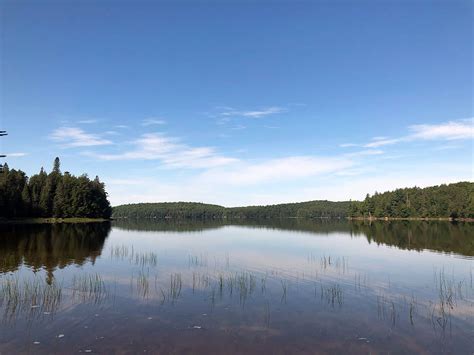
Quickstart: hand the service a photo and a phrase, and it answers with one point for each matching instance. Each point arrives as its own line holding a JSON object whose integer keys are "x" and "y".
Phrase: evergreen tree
{"x": 54, "y": 194}
{"x": 26, "y": 201}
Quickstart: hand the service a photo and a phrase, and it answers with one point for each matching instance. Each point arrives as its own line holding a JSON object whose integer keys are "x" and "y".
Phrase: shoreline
{"x": 387, "y": 219}
{"x": 52, "y": 220}
{"x": 445, "y": 219}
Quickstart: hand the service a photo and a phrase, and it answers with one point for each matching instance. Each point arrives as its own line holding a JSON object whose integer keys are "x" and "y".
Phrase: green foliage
{"x": 191, "y": 210}
{"x": 178, "y": 210}
{"x": 310, "y": 209}
{"x": 51, "y": 195}
{"x": 453, "y": 200}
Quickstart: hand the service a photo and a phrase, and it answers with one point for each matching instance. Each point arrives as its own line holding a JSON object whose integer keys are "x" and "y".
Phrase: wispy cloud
{"x": 452, "y": 130}
{"x": 90, "y": 121}
{"x": 16, "y": 155}
{"x": 121, "y": 126}
{"x": 287, "y": 168}
{"x": 71, "y": 137}
{"x": 153, "y": 121}
{"x": 381, "y": 142}
{"x": 258, "y": 113}
{"x": 366, "y": 152}
{"x": 447, "y": 131}
{"x": 171, "y": 152}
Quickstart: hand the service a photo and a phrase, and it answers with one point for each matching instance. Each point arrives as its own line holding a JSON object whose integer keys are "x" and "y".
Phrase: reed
{"x": 89, "y": 288}
{"x": 31, "y": 297}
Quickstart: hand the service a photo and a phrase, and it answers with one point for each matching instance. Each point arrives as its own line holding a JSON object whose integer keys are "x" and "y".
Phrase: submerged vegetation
{"x": 51, "y": 195}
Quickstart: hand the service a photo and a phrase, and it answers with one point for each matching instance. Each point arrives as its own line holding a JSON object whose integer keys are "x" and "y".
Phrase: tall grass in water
{"x": 143, "y": 285}
{"x": 89, "y": 288}
{"x": 333, "y": 295}
{"x": 123, "y": 252}
{"x": 31, "y": 297}
{"x": 174, "y": 289}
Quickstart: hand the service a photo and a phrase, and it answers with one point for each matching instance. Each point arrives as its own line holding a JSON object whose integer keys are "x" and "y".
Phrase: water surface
{"x": 284, "y": 286}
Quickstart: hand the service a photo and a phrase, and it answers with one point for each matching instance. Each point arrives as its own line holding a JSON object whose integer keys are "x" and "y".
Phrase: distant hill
{"x": 193, "y": 210}
{"x": 443, "y": 201}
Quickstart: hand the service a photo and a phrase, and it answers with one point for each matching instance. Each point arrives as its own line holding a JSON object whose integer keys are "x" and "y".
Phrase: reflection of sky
{"x": 266, "y": 249}
{"x": 293, "y": 257}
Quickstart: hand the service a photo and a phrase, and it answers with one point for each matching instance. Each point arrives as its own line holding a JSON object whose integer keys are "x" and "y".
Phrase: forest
{"x": 191, "y": 210}
{"x": 443, "y": 201}
{"x": 63, "y": 195}
{"x": 51, "y": 195}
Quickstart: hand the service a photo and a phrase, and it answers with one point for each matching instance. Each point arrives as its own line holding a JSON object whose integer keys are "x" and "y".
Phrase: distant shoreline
{"x": 52, "y": 220}
{"x": 442, "y": 219}
{"x": 446, "y": 219}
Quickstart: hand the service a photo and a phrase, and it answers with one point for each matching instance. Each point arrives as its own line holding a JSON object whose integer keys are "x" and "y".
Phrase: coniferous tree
{"x": 54, "y": 194}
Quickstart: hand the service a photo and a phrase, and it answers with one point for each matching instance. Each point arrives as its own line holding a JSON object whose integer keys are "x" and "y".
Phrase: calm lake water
{"x": 280, "y": 287}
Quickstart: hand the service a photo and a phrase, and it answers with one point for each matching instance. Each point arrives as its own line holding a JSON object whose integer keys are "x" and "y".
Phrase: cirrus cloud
{"x": 71, "y": 137}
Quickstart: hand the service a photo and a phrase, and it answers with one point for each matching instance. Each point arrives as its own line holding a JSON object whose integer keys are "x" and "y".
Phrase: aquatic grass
{"x": 32, "y": 297}
{"x": 333, "y": 295}
{"x": 197, "y": 260}
{"x": 263, "y": 283}
{"x": 141, "y": 259}
{"x": 266, "y": 314}
{"x": 221, "y": 284}
{"x": 174, "y": 288}
{"x": 143, "y": 285}
{"x": 412, "y": 310}
{"x": 89, "y": 288}
{"x": 284, "y": 286}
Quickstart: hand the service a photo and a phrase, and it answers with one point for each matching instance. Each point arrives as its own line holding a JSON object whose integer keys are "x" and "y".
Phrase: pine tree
{"x": 26, "y": 201}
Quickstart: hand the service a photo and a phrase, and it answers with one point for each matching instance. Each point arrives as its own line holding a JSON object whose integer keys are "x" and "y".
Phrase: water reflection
{"x": 249, "y": 286}
{"x": 50, "y": 246}
{"x": 410, "y": 235}
{"x": 419, "y": 235}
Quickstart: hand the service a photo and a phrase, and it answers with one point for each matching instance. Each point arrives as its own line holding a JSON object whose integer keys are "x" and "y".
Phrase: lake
{"x": 281, "y": 287}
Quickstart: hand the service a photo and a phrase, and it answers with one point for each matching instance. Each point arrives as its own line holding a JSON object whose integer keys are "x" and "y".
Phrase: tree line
{"x": 310, "y": 209}
{"x": 443, "y": 201}
{"x": 192, "y": 210}
{"x": 51, "y": 195}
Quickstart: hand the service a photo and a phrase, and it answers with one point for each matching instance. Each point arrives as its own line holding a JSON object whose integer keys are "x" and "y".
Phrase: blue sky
{"x": 240, "y": 102}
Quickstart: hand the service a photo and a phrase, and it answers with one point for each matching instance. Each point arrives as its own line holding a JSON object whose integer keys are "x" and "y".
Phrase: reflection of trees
{"x": 49, "y": 246}
{"x": 419, "y": 235}
{"x": 412, "y": 235}
{"x": 163, "y": 225}
{"x": 186, "y": 225}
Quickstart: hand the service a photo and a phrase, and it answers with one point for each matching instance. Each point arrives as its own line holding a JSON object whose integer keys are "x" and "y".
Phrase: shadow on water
{"x": 438, "y": 236}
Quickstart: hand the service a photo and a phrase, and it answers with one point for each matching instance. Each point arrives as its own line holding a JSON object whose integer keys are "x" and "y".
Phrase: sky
{"x": 240, "y": 102}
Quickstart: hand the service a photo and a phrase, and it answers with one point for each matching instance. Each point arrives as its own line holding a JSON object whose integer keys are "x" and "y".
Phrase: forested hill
{"x": 310, "y": 209}
{"x": 192, "y": 210}
{"x": 444, "y": 201}
{"x": 51, "y": 195}
{"x": 178, "y": 210}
